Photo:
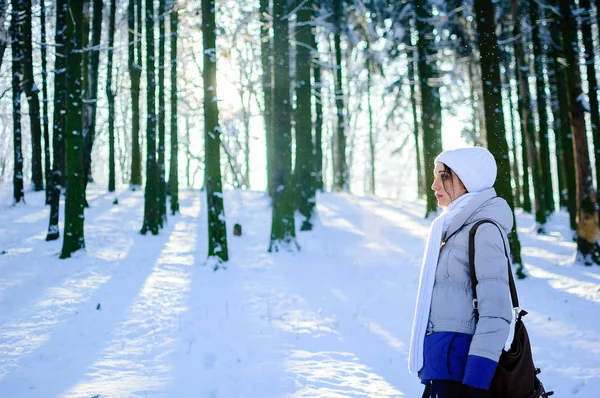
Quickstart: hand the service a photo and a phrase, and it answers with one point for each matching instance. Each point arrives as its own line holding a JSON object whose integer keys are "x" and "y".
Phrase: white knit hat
{"x": 475, "y": 166}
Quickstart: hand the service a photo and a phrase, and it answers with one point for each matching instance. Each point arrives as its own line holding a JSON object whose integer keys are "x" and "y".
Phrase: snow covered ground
{"x": 141, "y": 316}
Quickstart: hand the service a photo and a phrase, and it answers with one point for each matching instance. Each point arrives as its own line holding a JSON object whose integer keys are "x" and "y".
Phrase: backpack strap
{"x": 511, "y": 281}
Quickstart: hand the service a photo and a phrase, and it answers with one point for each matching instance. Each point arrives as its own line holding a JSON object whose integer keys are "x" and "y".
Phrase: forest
{"x": 337, "y": 88}
{"x": 288, "y": 145}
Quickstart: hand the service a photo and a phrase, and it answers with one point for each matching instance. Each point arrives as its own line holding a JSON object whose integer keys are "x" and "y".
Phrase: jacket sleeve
{"x": 494, "y": 304}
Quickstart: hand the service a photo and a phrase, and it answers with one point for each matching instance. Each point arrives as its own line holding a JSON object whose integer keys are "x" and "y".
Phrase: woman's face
{"x": 447, "y": 187}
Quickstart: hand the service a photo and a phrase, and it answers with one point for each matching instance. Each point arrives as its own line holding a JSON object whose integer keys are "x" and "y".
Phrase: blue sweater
{"x": 446, "y": 357}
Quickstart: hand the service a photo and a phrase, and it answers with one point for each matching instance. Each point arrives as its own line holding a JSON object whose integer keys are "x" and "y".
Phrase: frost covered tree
{"x": 431, "y": 107}
{"x": 134, "y": 24}
{"x": 217, "y": 229}
{"x": 494, "y": 118}
{"x": 304, "y": 169}
{"x": 341, "y": 182}
{"x": 561, "y": 124}
{"x": 16, "y": 30}
{"x": 536, "y": 20}
{"x": 32, "y": 93}
{"x": 110, "y": 95}
{"x": 59, "y": 120}
{"x": 528, "y": 118}
{"x": 412, "y": 82}
{"x": 267, "y": 86}
{"x": 162, "y": 187}
{"x": 318, "y": 137}
{"x": 91, "y": 90}
{"x": 590, "y": 64}
{"x": 151, "y": 194}
{"x": 47, "y": 167}
{"x": 73, "y": 237}
{"x": 283, "y": 229}
{"x": 174, "y": 164}
{"x": 587, "y": 217}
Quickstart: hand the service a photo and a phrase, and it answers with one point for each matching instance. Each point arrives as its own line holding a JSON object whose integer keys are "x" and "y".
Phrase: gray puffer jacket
{"x": 452, "y": 301}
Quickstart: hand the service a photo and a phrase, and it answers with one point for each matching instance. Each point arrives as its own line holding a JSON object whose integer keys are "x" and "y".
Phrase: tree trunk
{"x": 318, "y": 141}
{"x": 561, "y": 125}
{"x": 304, "y": 145}
{"x": 506, "y": 57}
{"x": 494, "y": 119}
{"x": 542, "y": 106}
{"x": 217, "y": 230}
{"x": 32, "y": 92}
{"x": 16, "y": 27}
{"x": 47, "y": 168}
{"x": 267, "y": 85}
{"x": 413, "y": 103}
{"x": 110, "y": 95}
{"x": 283, "y": 230}
{"x": 135, "y": 73}
{"x": 431, "y": 107}
{"x": 174, "y": 164}
{"x": 151, "y": 209}
{"x": 587, "y": 217}
{"x": 371, "y": 133}
{"x": 91, "y": 90}
{"x": 162, "y": 192}
{"x": 59, "y": 121}
{"x": 590, "y": 62}
{"x": 527, "y": 120}
{"x": 341, "y": 182}
{"x": 73, "y": 237}
{"x": 188, "y": 158}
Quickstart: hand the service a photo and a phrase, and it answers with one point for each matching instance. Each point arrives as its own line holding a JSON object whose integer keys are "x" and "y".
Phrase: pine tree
{"x": 162, "y": 191}
{"x": 304, "y": 169}
{"x": 369, "y": 67}
{"x": 590, "y": 62}
{"x": 59, "y": 120}
{"x": 16, "y": 29}
{"x": 283, "y": 229}
{"x": 32, "y": 92}
{"x": 542, "y": 106}
{"x": 110, "y": 94}
{"x": 413, "y": 103}
{"x": 73, "y": 237}
{"x": 431, "y": 107}
{"x": 267, "y": 86}
{"x": 135, "y": 72}
{"x": 506, "y": 59}
{"x": 494, "y": 119}
{"x": 47, "y": 167}
{"x": 561, "y": 125}
{"x": 217, "y": 230}
{"x": 527, "y": 120}
{"x": 91, "y": 90}
{"x": 318, "y": 138}
{"x": 341, "y": 182}
{"x": 151, "y": 210}
{"x": 587, "y": 217}
{"x": 174, "y": 164}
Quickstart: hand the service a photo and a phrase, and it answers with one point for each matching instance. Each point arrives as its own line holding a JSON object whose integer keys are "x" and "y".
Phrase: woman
{"x": 455, "y": 355}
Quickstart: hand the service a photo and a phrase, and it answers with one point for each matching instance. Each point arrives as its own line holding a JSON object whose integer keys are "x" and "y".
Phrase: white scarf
{"x": 428, "y": 269}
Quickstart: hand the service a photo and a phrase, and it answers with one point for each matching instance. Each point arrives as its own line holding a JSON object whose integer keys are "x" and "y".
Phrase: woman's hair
{"x": 449, "y": 180}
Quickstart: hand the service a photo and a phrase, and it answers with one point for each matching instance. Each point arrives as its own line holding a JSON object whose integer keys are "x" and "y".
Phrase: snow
{"x": 137, "y": 316}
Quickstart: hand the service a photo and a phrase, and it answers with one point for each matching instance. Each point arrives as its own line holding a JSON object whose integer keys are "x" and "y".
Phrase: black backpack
{"x": 516, "y": 375}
